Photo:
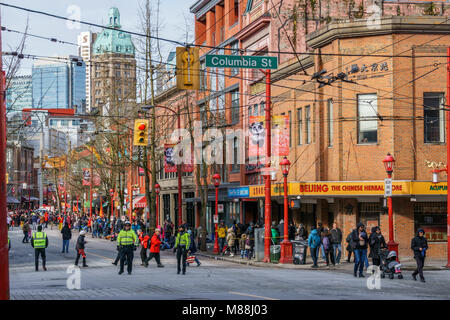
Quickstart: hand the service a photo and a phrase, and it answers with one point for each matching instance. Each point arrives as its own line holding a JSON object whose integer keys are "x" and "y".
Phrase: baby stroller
{"x": 389, "y": 264}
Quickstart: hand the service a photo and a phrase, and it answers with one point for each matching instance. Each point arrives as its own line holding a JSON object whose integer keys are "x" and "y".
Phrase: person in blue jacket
{"x": 314, "y": 244}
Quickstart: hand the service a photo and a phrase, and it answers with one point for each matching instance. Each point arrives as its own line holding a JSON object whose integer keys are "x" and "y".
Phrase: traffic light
{"x": 140, "y": 132}
{"x": 188, "y": 68}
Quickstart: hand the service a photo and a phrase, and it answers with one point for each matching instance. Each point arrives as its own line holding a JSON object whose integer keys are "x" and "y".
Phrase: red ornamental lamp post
{"x": 216, "y": 180}
{"x": 157, "y": 189}
{"x": 388, "y": 162}
{"x": 286, "y": 245}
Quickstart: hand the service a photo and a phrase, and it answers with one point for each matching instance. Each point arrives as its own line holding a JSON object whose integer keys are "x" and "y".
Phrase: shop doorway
{"x": 369, "y": 214}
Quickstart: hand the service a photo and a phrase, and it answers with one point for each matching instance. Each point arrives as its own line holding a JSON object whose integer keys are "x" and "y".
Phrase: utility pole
{"x": 92, "y": 181}
{"x": 4, "y": 263}
{"x": 268, "y": 196}
{"x": 448, "y": 158}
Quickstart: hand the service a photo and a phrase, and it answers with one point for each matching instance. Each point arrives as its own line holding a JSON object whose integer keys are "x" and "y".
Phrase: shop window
{"x": 432, "y": 218}
{"x": 433, "y": 117}
{"x": 166, "y": 205}
{"x": 367, "y": 118}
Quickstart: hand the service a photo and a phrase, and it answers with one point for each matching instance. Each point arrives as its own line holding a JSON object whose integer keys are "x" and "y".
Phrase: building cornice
{"x": 293, "y": 67}
{"x": 253, "y": 27}
{"x": 169, "y": 93}
{"x": 388, "y": 25}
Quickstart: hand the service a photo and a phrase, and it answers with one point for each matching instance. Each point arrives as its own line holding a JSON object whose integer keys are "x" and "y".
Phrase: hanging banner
{"x": 189, "y": 167}
{"x": 257, "y": 136}
{"x": 169, "y": 155}
{"x": 86, "y": 177}
{"x": 280, "y": 135}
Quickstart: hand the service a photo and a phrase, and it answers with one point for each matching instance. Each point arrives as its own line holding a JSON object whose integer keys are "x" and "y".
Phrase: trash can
{"x": 275, "y": 253}
{"x": 299, "y": 250}
{"x": 259, "y": 244}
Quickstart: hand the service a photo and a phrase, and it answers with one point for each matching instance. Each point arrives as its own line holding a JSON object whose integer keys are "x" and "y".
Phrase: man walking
{"x": 419, "y": 245}
{"x": 26, "y": 230}
{"x": 359, "y": 242}
{"x": 221, "y": 235}
{"x": 81, "y": 242}
{"x": 66, "y": 235}
{"x": 39, "y": 242}
{"x": 336, "y": 240}
{"x": 182, "y": 244}
{"x": 127, "y": 243}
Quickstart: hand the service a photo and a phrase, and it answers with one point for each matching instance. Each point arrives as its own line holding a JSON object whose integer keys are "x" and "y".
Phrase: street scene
{"x": 206, "y": 150}
{"x": 213, "y": 280}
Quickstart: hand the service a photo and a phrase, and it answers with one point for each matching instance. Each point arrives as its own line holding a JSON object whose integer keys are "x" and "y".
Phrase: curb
{"x": 301, "y": 267}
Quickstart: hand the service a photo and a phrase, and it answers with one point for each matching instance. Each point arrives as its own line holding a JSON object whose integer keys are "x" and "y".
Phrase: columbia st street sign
{"x": 244, "y": 62}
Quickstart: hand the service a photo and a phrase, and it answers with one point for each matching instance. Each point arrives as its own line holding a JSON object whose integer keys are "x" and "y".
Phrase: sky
{"x": 173, "y": 16}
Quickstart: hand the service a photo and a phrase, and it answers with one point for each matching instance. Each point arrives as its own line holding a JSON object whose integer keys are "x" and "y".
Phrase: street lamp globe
{"x": 157, "y": 188}
{"x": 285, "y": 166}
{"x": 216, "y": 179}
{"x": 388, "y": 162}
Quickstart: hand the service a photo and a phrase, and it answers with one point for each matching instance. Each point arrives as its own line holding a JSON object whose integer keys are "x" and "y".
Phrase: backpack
{"x": 326, "y": 243}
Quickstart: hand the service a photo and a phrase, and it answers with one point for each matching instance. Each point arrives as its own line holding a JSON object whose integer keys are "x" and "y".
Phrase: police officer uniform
{"x": 182, "y": 244}
{"x": 39, "y": 242}
{"x": 127, "y": 243}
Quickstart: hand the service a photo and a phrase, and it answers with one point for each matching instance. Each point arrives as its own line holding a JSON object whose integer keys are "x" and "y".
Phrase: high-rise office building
{"x": 86, "y": 43}
{"x": 19, "y": 94}
{"x": 60, "y": 85}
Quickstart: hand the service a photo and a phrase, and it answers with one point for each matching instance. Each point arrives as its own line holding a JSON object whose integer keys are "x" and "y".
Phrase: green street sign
{"x": 244, "y": 62}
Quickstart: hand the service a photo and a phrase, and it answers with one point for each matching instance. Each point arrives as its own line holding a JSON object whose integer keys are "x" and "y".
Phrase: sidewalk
{"x": 407, "y": 263}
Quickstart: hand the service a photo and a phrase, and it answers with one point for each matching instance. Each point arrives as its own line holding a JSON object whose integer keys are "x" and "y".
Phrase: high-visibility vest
{"x": 184, "y": 240}
{"x": 126, "y": 238}
{"x": 39, "y": 240}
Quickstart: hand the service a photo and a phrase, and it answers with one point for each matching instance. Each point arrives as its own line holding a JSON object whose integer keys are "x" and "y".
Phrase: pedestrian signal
{"x": 188, "y": 68}
{"x": 140, "y": 132}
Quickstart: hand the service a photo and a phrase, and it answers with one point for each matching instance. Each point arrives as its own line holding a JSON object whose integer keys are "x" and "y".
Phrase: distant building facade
{"x": 19, "y": 94}
{"x": 85, "y": 45}
{"x": 60, "y": 85}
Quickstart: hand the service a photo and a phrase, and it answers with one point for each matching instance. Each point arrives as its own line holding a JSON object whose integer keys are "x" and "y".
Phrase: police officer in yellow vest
{"x": 126, "y": 243}
{"x": 39, "y": 242}
{"x": 182, "y": 244}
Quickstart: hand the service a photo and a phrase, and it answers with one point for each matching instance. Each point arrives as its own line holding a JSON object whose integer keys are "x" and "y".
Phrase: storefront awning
{"x": 139, "y": 202}
{"x": 25, "y": 199}
{"x": 12, "y": 200}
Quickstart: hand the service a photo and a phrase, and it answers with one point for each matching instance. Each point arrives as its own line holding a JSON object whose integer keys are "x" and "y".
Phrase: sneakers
{"x": 160, "y": 266}
{"x": 355, "y": 274}
{"x": 422, "y": 280}
{"x": 121, "y": 271}
{"x": 198, "y": 264}
{"x": 114, "y": 263}
{"x": 414, "y": 277}
{"x": 361, "y": 275}
{"x": 85, "y": 266}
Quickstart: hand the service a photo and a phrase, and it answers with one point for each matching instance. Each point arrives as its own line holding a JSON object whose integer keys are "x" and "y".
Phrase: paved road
{"x": 212, "y": 280}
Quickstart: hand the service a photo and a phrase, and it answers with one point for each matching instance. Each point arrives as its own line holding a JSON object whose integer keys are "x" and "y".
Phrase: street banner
{"x": 169, "y": 155}
{"x": 86, "y": 177}
{"x": 280, "y": 135}
{"x": 257, "y": 136}
{"x": 189, "y": 167}
{"x": 141, "y": 172}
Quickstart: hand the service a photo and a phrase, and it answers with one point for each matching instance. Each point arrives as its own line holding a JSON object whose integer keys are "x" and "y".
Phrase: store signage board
{"x": 243, "y": 62}
{"x": 388, "y": 187}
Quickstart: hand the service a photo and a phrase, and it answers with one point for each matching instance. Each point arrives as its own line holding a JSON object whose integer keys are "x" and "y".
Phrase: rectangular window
{"x": 234, "y": 51}
{"x": 236, "y": 11}
{"x": 432, "y": 218}
{"x": 64, "y": 123}
{"x": 53, "y": 122}
{"x": 203, "y": 74}
{"x": 234, "y": 107}
{"x": 367, "y": 118}
{"x": 235, "y": 165}
{"x": 308, "y": 124}
{"x": 330, "y": 122}
{"x": 290, "y": 128}
{"x": 262, "y": 107}
{"x": 433, "y": 117}
{"x": 300, "y": 126}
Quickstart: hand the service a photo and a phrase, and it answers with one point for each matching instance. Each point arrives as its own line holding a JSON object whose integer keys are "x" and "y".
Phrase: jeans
{"x": 420, "y": 261}
{"x": 323, "y": 251}
{"x": 315, "y": 254}
{"x": 360, "y": 257}
{"x": 65, "y": 247}
{"x": 337, "y": 246}
{"x": 221, "y": 244}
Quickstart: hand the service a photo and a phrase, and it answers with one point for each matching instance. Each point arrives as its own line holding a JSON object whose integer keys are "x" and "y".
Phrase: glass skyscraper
{"x": 59, "y": 85}
{"x": 19, "y": 94}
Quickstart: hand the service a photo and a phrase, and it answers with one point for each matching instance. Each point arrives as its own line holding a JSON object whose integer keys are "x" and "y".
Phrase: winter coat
{"x": 417, "y": 243}
{"x": 66, "y": 233}
{"x": 376, "y": 242}
{"x": 80, "y": 242}
{"x": 144, "y": 240}
{"x": 349, "y": 242}
{"x": 221, "y": 231}
{"x": 302, "y": 233}
{"x": 193, "y": 247}
{"x": 356, "y": 242}
{"x": 231, "y": 237}
{"x": 336, "y": 236}
{"x": 155, "y": 243}
{"x": 242, "y": 241}
{"x": 314, "y": 239}
{"x": 26, "y": 227}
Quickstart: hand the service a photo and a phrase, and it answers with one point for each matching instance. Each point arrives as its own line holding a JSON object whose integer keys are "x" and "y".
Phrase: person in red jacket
{"x": 155, "y": 243}
{"x": 143, "y": 238}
